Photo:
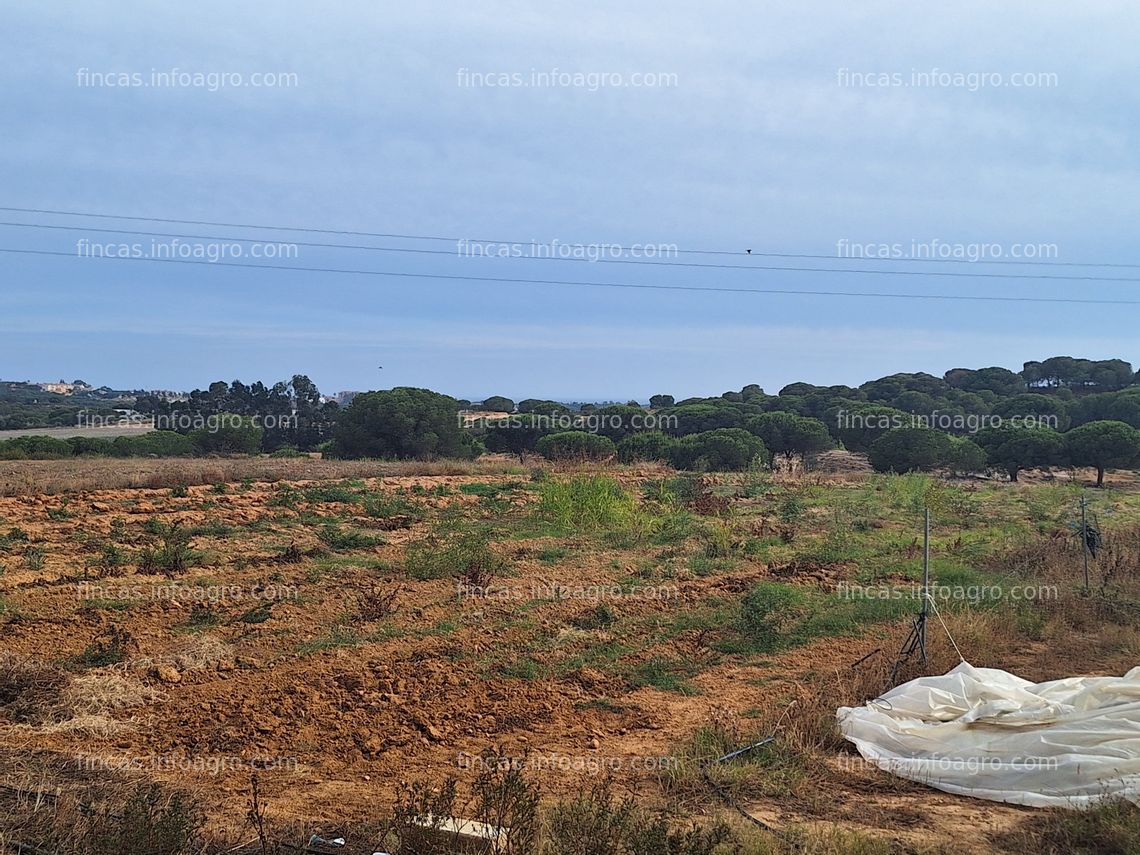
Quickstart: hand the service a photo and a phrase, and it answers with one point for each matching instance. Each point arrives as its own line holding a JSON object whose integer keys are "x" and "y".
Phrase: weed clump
{"x": 595, "y": 822}
{"x": 586, "y": 503}
{"x": 175, "y": 553}
{"x": 467, "y": 556}
{"x": 769, "y": 608}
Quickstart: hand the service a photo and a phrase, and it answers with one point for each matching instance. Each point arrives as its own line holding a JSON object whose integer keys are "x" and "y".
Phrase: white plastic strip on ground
{"x": 986, "y": 733}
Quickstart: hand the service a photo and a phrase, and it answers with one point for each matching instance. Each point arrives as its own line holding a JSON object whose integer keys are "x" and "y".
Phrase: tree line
{"x": 1056, "y": 412}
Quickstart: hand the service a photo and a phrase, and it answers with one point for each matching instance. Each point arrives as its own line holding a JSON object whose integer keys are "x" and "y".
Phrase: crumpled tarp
{"x": 986, "y": 733}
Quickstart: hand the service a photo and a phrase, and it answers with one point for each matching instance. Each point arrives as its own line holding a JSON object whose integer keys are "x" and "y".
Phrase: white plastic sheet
{"x": 986, "y": 733}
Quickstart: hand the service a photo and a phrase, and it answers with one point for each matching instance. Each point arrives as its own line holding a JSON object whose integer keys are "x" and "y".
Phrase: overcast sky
{"x": 715, "y": 126}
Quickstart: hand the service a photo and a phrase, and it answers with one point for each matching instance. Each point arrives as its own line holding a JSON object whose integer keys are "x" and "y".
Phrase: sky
{"x": 781, "y": 128}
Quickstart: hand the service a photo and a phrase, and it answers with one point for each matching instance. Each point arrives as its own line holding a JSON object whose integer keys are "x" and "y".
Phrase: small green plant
{"x": 552, "y": 554}
{"x": 522, "y": 669}
{"x": 173, "y": 556}
{"x": 258, "y": 614}
{"x": 672, "y": 525}
{"x": 178, "y": 492}
{"x": 337, "y": 637}
{"x": 118, "y": 531}
{"x": 757, "y": 484}
{"x": 61, "y": 513}
{"x": 110, "y": 649}
{"x": 703, "y": 566}
{"x": 202, "y": 616}
{"x": 110, "y": 559}
{"x": 211, "y": 528}
{"x": 332, "y": 493}
{"x": 664, "y": 673}
{"x": 287, "y": 496}
{"x": 464, "y": 555}
{"x": 34, "y": 557}
{"x": 720, "y": 540}
{"x": 345, "y": 539}
{"x": 14, "y": 536}
{"x": 790, "y": 510}
{"x": 1031, "y": 623}
{"x": 769, "y": 608}
{"x": 394, "y": 509}
{"x": 600, "y": 616}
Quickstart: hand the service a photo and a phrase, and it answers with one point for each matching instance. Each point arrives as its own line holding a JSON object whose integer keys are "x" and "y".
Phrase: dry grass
{"x": 29, "y": 689}
{"x": 203, "y": 653}
{"x": 111, "y": 816}
{"x": 39, "y": 695}
{"x": 52, "y": 477}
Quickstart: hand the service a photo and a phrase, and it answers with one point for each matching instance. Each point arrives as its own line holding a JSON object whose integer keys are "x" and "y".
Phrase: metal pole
{"x": 925, "y": 580}
{"x": 1085, "y": 540}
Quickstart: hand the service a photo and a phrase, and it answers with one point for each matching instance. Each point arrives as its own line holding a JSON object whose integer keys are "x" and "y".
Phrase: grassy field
{"x": 571, "y": 648}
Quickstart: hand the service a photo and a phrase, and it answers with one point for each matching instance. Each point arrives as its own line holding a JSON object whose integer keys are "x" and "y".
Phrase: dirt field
{"x": 353, "y": 627}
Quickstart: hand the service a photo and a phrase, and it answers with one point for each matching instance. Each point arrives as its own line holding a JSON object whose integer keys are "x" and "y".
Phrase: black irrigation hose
{"x": 859, "y": 662}
{"x": 727, "y": 798}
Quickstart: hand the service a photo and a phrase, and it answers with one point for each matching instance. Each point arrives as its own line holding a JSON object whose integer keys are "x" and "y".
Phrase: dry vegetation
{"x": 563, "y": 652}
{"x": 52, "y": 477}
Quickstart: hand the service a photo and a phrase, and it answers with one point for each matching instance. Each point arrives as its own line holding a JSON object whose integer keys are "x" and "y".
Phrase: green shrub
{"x": 332, "y": 493}
{"x": 725, "y": 449}
{"x": 401, "y": 423}
{"x": 911, "y": 449}
{"x": 769, "y": 608}
{"x": 90, "y": 446}
{"x": 159, "y": 443}
{"x": 576, "y": 445}
{"x": 175, "y": 553}
{"x": 230, "y": 434}
{"x": 647, "y": 446}
{"x": 35, "y": 448}
{"x": 464, "y": 555}
{"x": 341, "y": 539}
{"x": 665, "y": 673}
{"x": 288, "y": 451}
{"x": 597, "y": 823}
{"x": 34, "y": 557}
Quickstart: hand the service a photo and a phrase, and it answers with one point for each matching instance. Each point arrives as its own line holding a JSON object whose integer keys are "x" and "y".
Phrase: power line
{"x": 748, "y": 253}
{"x": 558, "y": 282}
{"x": 687, "y": 264}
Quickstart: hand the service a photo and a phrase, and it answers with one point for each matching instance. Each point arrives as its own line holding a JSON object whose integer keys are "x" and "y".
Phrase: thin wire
{"x": 556, "y": 282}
{"x": 1033, "y": 276}
{"x": 520, "y": 243}
{"x": 945, "y": 627}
